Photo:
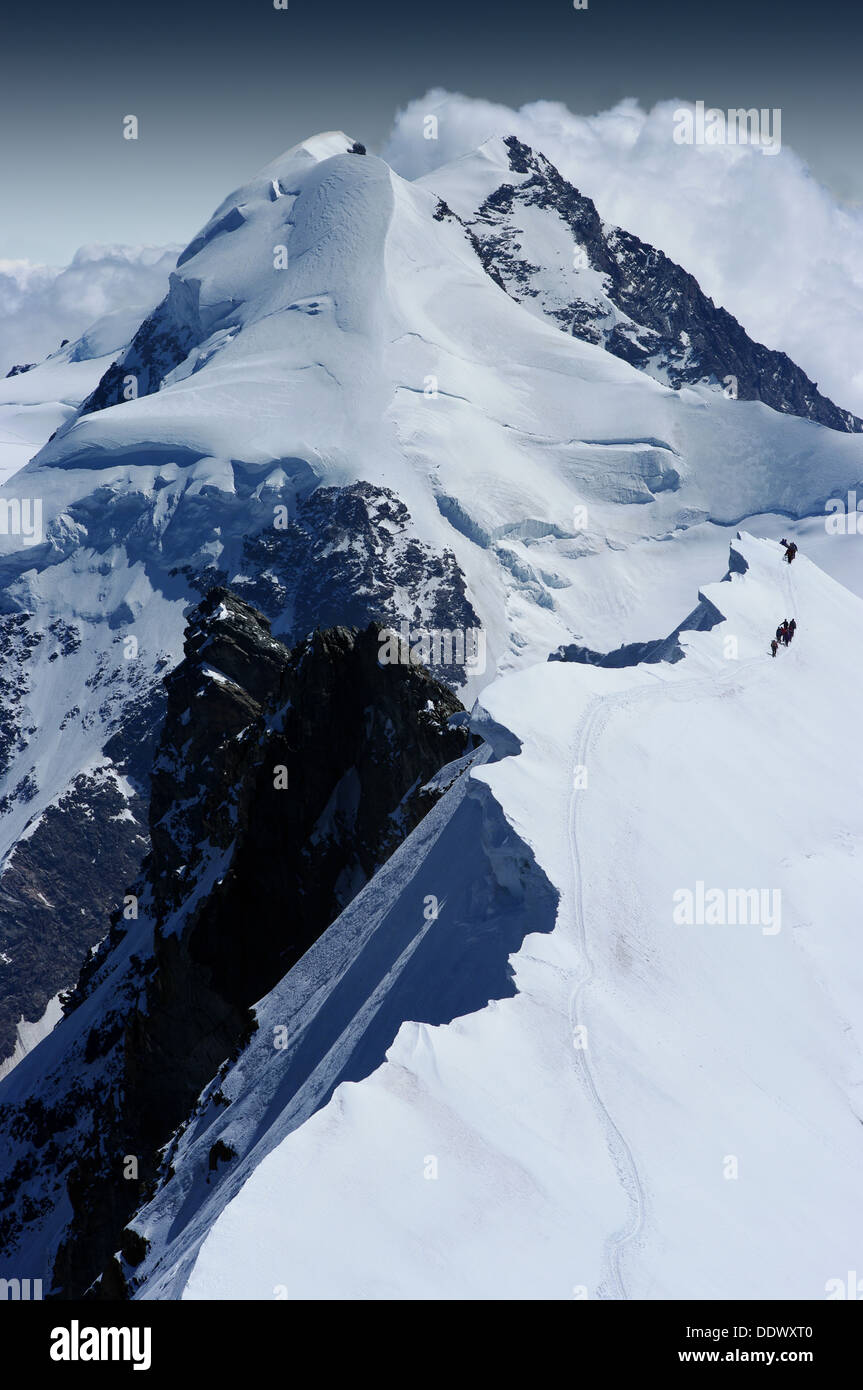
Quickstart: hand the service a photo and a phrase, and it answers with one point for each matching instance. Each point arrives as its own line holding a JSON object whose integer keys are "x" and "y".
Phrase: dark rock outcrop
{"x": 58, "y": 890}
{"x": 301, "y": 574}
{"x": 282, "y": 781}
{"x": 61, "y": 881}
{"x": 386, "y": 574}
{"x": 162, "y": 342}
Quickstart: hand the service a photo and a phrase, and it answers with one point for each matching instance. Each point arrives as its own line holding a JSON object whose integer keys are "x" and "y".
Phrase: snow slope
{"x": 34, "y": 404}
{"x": 706, "y": 1141}
{"x": 30, "y": 1034}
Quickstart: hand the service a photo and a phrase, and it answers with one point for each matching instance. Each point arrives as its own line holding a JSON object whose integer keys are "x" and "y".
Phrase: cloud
{"x": 760, "y": 234}
{"x": 40, "y": 304}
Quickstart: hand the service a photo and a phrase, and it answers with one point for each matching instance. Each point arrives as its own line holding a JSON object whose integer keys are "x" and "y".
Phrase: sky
{"x": 91, "y": 222}
{"x": 221, "y": 88}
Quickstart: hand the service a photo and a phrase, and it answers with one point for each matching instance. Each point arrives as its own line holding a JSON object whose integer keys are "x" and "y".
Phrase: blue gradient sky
{"x": 221, "y": 88}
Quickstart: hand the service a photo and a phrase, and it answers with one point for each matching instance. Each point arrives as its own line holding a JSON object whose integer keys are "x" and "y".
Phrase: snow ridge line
{"x": 619, "y": 1149}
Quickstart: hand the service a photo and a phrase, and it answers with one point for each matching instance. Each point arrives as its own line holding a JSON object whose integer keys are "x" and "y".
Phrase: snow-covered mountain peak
{"x": 317, "y": 147}
{"x": 545, "y": 243}
{"x": 470, "y": 177}
{"x": 275, "y": 181}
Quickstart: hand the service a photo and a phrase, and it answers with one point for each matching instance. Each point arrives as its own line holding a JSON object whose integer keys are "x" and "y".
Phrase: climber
{"x": 780, "y": 631}
{"x": 790, "y": 552}
{"x": 792, "y": 628}
{"x": 774, "y": 646}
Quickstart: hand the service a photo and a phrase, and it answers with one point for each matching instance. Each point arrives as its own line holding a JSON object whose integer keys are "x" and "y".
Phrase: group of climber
{"x": 784, "y": 635}
{"x": 786, "y": 629}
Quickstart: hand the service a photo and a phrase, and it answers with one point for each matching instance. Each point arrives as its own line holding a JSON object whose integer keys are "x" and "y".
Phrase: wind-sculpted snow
{"x": 703, "y": 617}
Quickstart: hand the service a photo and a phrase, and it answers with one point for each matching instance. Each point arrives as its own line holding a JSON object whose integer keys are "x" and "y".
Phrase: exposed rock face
{"x": 628, "y": 297}
{"x": 61, "y": 881}
{"x": 386, "y": 573}
{"x": 282, "y": 781}
{"x": 65, "y": 875}
{"x": 163, "y": 341}
{"x": 58, "y": 890}
{"x": 18, "y": 638}
{"x": 356, "y": 741}
{"x": 302, "y": 575}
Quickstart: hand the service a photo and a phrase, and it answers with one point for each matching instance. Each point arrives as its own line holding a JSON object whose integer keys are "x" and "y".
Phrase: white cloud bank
{"x": 760, "y": 235}
{"x": 40, "y": 304}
